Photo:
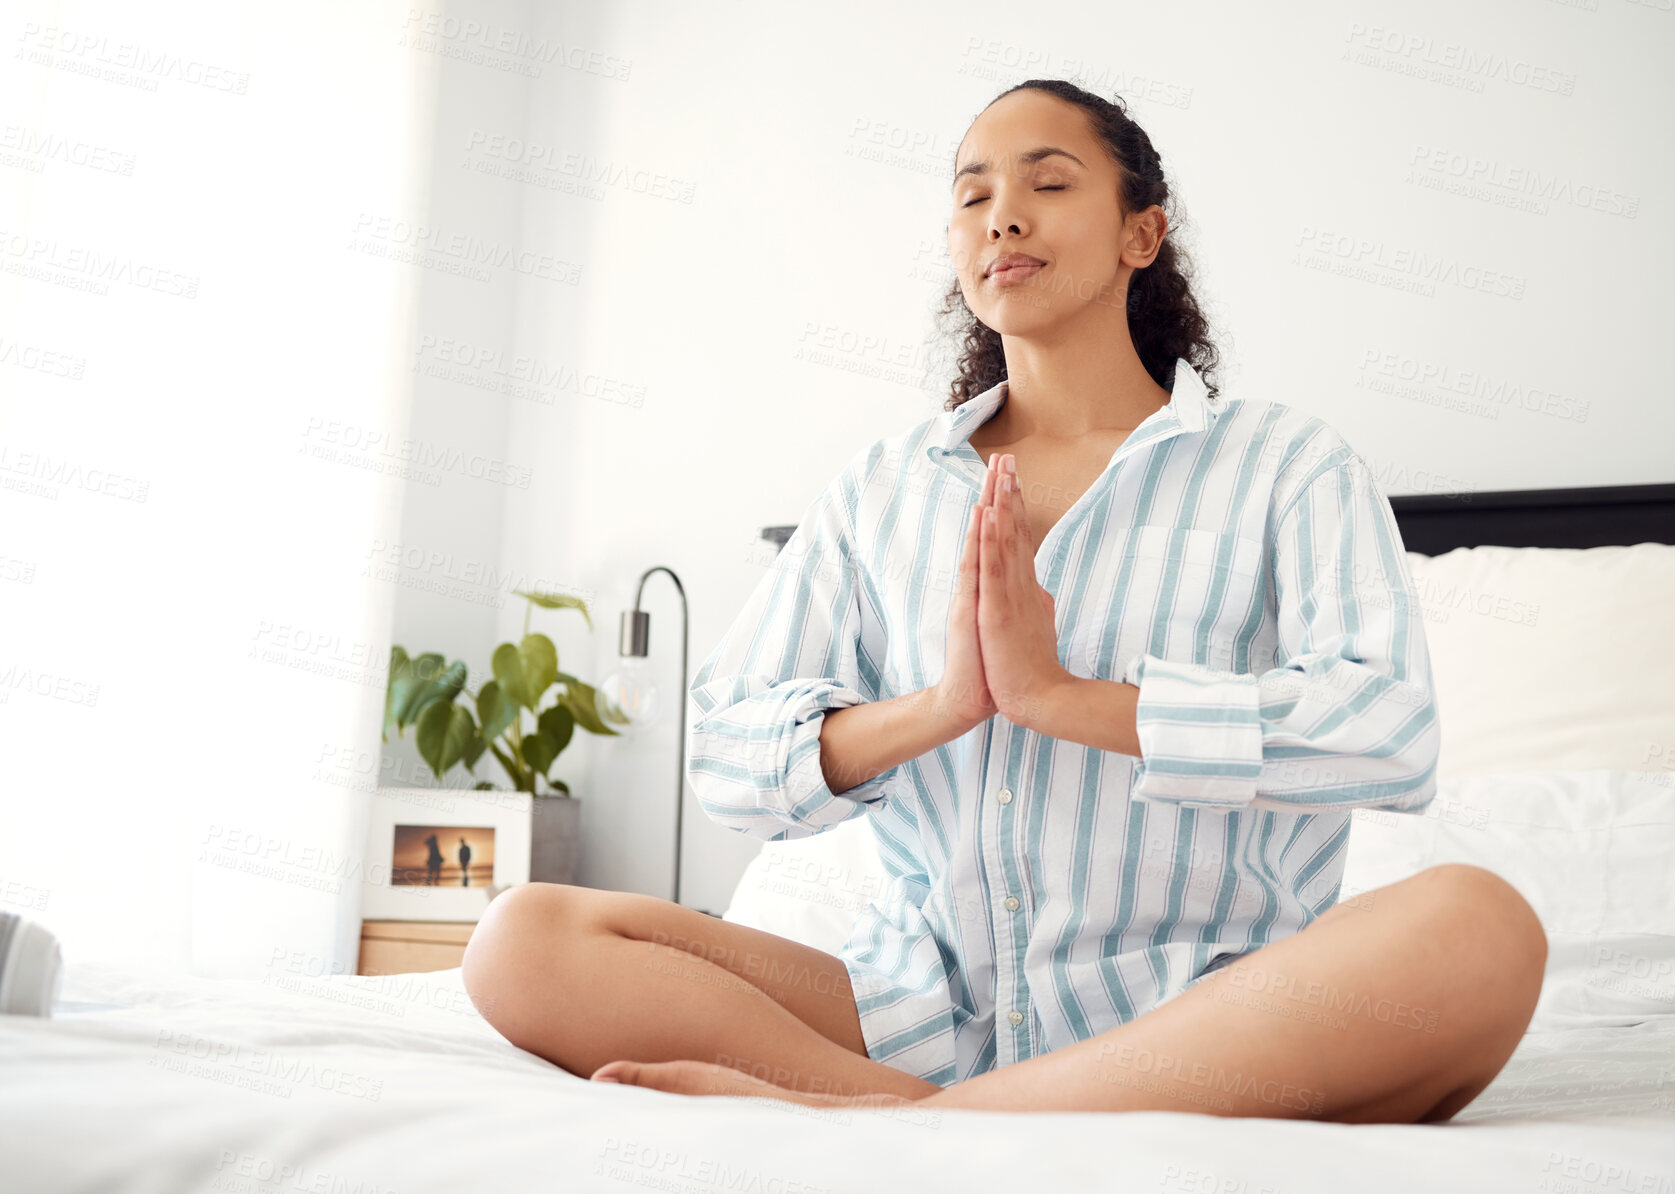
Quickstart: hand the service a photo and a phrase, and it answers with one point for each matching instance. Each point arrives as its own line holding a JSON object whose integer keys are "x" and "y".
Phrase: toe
{"x": 674, "y": 1077}
{"x": 699, "y": 1078}
{"x": 703, "y": 1078}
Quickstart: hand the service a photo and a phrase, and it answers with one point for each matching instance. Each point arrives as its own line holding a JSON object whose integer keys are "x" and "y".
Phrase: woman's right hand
{"x": 963, "y": 691}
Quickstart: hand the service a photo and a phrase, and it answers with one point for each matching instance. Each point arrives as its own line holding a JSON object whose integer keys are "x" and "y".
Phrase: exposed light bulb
{"x": 627, "y": 698}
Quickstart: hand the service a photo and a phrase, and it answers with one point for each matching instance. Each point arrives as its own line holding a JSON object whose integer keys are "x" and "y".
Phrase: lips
{"x": 1013, "y": 261}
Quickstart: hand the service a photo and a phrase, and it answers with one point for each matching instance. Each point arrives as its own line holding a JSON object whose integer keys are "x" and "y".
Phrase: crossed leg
{"x": 1399, "y": 1006}
{"x": 584, "y": 977}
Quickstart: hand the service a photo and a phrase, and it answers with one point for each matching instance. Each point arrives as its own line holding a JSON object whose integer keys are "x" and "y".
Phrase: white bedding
{"x": 158, "y": 1082}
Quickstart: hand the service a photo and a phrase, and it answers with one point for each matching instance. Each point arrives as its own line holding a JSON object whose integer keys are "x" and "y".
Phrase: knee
{"x": 1491, "y": 920}
{"x": 522, "y": 928}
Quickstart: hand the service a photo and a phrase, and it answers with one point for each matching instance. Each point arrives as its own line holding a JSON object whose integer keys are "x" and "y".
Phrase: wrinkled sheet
{"x": 153, "y": 1081}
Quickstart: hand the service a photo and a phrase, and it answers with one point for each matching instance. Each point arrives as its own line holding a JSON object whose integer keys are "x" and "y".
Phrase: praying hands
{"x": 1002, "y": 654}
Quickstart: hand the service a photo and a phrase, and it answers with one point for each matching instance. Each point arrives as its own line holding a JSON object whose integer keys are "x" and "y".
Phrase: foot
{"x": 705, "y": 1078}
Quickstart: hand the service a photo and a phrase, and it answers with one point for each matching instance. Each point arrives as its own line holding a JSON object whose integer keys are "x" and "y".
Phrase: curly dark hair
{"x": 1164, "y": 319}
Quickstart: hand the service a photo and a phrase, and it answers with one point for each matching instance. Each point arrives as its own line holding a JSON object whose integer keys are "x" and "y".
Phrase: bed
{"x": 1551, "y": 646}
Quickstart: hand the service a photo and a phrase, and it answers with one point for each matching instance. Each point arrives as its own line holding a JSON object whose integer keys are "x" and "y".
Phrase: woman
{"x": 433, "y": 862}
{"x": 1110, "y": 775}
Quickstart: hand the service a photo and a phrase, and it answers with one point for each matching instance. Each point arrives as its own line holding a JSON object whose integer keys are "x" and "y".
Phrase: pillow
{"x": 1590, "y": 850}
{"x": 1551, "y": 659}
{"x": 812, "y": 889}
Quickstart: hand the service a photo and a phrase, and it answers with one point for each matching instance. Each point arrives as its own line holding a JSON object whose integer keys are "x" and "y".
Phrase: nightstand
{"x": 412, "y": 946}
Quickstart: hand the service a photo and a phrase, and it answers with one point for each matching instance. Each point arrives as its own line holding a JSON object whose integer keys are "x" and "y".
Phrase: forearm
{"x": 860, "y": 742}
{"x": 1097, "y": 713}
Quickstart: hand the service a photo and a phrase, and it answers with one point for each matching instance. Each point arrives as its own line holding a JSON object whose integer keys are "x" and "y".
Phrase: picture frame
{"x": 402, "y": 880}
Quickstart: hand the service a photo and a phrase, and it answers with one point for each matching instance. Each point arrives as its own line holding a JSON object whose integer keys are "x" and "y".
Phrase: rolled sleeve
{"x": 1350, "y": 719}
{"x": 800, "y": 646}
{"x": 1201, "y": 734}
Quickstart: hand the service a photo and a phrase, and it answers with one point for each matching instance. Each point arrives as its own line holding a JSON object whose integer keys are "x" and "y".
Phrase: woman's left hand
{"x": 1015, "y": 619}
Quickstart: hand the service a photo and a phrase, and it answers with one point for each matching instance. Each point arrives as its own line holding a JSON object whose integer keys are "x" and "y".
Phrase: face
{"x": 1061, "y": 208}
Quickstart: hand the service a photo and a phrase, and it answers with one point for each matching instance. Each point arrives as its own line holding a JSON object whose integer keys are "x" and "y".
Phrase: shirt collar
{"x": 1189, "y": 405}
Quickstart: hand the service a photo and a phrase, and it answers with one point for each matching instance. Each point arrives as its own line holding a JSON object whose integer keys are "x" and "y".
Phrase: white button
{"x": 1006, "y": 795}
{"x": 1011, "y": 903}
{"x": 1015, "y": 1017}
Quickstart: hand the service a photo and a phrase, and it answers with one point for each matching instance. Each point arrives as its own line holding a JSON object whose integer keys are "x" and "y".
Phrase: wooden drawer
{"x": 411, "y": 946}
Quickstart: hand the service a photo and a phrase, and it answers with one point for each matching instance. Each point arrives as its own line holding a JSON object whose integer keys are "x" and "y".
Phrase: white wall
{"x": 739, "y": 187}
{"x": 447, "y": 572}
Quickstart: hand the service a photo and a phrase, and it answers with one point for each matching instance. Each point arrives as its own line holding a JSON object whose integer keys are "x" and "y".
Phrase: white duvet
{"x": 395, "y": 1085}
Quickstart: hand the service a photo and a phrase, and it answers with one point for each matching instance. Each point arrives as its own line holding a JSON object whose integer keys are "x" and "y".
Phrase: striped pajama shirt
{"x": 1237, "y": 562}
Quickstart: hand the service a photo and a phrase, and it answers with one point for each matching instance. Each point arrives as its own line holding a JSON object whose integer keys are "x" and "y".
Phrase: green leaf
{"x": 398, "y": 692}
{"x": 474, "y": 750}
{"x": 558, "y": 601}
{"x": 508, "y": 670}
{"x": 440, "y": 692}
{"x": 540, "y": 665}
{"x": 539, "y": 751}
{"x": 494, "y": 710}
{"x": 559, "y": 724}
{"x": 560, "y": 785}
{"x": 579, "y": 698}
{"x": 398, "y": 661}
{"x": 421, "y": 681}
{"x": 444, "y": 731}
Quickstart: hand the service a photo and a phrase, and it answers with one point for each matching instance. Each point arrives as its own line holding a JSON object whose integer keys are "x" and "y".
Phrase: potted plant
{"x": 421, "y": 692}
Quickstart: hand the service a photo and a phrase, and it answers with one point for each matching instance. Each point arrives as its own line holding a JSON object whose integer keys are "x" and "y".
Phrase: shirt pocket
{"x": 1181, "y": 594}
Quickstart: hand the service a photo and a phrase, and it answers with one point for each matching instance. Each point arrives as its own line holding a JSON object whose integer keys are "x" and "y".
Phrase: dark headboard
{"x": 778, "y": 536}
{"x": 1594, "y": 516}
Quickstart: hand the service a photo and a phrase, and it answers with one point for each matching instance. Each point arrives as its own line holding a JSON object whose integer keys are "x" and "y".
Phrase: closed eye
{"x": 1059, "y": 187}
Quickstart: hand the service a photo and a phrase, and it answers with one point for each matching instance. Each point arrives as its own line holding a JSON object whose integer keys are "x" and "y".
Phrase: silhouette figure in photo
{"x": 464, "y": 862}
{"x": 434, "y": 862}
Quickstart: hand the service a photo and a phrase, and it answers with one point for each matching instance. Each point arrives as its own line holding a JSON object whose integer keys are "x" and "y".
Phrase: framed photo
{"x": 437, "y": 853}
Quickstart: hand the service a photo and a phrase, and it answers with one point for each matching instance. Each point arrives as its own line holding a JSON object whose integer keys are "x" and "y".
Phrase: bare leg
{"x": 1399, "y": 1006}
{"x": 584, "y": 977}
